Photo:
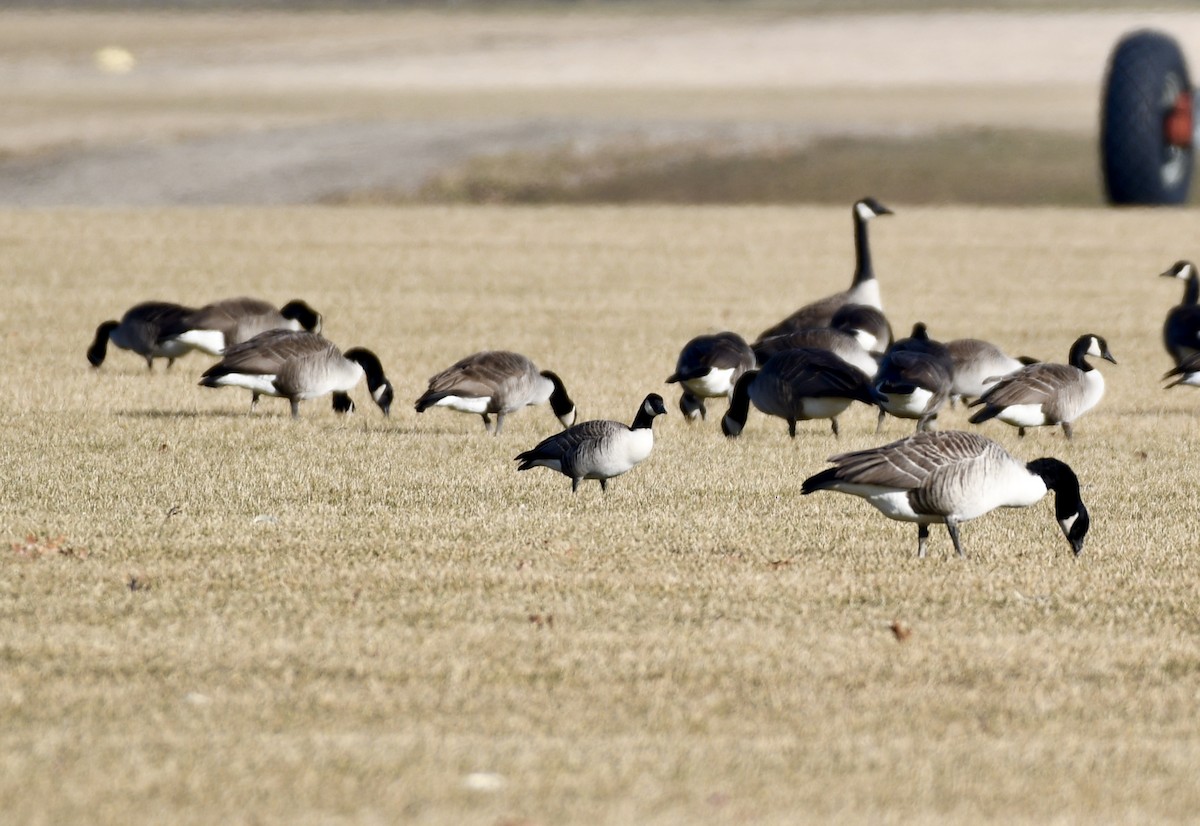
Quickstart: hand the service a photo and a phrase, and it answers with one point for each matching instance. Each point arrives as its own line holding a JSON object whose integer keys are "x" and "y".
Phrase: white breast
{"x": 908, "y": 405}
{"x": 623, "y": 452}
{"x": 712, "y": 384}
{"x": 866, "y": 293}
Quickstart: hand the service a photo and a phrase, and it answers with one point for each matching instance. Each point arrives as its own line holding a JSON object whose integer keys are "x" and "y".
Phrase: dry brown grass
{"x": 214, "y": 616}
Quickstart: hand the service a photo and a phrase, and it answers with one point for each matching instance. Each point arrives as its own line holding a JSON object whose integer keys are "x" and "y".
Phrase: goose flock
{"x": 813, "y": 364}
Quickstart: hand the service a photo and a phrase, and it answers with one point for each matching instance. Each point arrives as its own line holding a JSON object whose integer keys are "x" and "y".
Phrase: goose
{"x": 1181, "y": 330}
{"x": 842, "y": 344}
{"x": 914, "y": 379}
{"x": 298, "y": 365}
{"x": 497, "y": 382}
{"x": 138, "y": 330}
{"x": 598, "y": 449}
{"x": 708, "y": 368}
{"x": 864, "y": 289}
{"x": 952, "y": 477}
{"x": 218, "y": 326}
{"x": 1188, "y": 371}
{"x": 798, "y": 385}
{"x": 1048, "y": 394}
{"x": 979, "y": 364}
{"x": 867, "y": 324}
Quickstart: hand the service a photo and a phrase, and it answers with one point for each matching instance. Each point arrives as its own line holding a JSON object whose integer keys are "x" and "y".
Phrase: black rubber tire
{"x": 1146, "y": 72}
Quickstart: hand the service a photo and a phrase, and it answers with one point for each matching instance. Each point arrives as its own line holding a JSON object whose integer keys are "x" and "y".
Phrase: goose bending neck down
{"x": 140, "y": 331}
{"x": 297, "y": 366}
{"x": 952, "y": 477}
{"x": 598, "y": 449}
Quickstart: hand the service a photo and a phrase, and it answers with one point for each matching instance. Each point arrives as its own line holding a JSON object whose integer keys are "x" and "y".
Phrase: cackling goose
{"x": 497, "y": 382}
{"x": 139, "y": 330}
{"x": 952, "y": 477}
{"x": 708, "y": 367}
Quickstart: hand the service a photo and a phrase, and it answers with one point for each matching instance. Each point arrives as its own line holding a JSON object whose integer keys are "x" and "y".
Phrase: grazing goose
{"x": 709, "y": 367}
{"x": 497, "y": 382}
{"x": 298, "y": 365}
{"x": 1181, "y": 330}
{"x": 867, "y": 324}
{"x": 139, "y": 330}
{"x": 914, "y": 379}
{"x": 952, "y": 477}
{"x": 864, "y": 289}
{"x": 842, "y": 344}
{"x": 1188, "y": 371}
{"x": 599, "y": 449}
{"x": 978, "y": 365}
{"x": 798, "y": 385}
{"x": 1048, "y": 394}
{"x": 216, "y": 327}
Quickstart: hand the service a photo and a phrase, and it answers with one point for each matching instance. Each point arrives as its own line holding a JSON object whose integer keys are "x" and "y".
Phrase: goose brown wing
{"x": 909, "y": 463}
{"x": 1034, "y": 384}
{"x": 481, "y": 374}
{"x": 566, "y": 442}
{"x": 817, "y": 314}
{"x": 222, "y": 316}
{"x": 814, "y": 373}
{"x": 144, "y": 323}
{"x": 266, "y": 353}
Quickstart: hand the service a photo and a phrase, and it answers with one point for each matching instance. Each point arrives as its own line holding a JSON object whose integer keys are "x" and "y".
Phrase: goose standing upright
{"x": 139, "y": 330}
{"x": 864, "y": 289}
{"x": 599, "y": 449}
{"x": 914, "y": 379}
{"x": 496, "y": 383}
{"x": 1181, "y": 329}
{"x": 708, "y": 367}
{"x": 798, "y": 385}
{"x": 1041, "y": 395}
{"x": 952, "y": 477}
{"x": 216, "y": 327}
{"x": 298, "y": 365}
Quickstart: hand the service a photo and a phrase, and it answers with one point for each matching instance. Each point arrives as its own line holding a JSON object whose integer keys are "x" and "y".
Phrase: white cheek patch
{"x": 867, "y": 340}
{"x": 379, "y": 391}
{"x": 649, "y": 410}
{"x": 864, "y": 211}
{"x": 1094, "y": 348}
{"x": 1068, "y": 523}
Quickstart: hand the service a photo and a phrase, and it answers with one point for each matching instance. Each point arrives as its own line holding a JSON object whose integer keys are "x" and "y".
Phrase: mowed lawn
{"x": 208, "y": 615}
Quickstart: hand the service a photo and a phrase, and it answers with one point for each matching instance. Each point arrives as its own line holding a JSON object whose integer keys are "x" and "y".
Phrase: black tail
{"x": 820, "y": 481}
{"x": 696, "y": 373}
{"x": 428, "y": 400}
{"x": 988, "y": 412}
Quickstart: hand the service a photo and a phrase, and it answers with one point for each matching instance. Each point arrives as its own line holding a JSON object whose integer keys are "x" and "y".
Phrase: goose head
{"x": 304, "y": 315}
{"x": 1069, "y": 510}
{"x": 377, "y": 382}
{"x": 560, "y": 402}
{"x": 1181, "y": 269}
{"x": 99, "y": 348}
{"x": 1091, "y": 344}
{"x": 868, "y": 208}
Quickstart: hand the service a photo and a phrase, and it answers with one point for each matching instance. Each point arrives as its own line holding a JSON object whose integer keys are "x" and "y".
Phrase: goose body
{"x": 978, "y": 365}
{"x": 709, "y": 367}
{"x": 951, "y": 477}
{"x": 140, "y": 330}
{"x": 798, "y": 385}
{"x": 1040, "y": 395}
{"x": 496, "y": 383}
{"x": 598, "y": 449}
{"x": 1181, "y": 329}
{"x": 864, "y": 289}
{"x": 915, "y": 378}
{"x": 218, "y": 326}
{"x": 842, "y": 344}
{"x": 298, "y": 366}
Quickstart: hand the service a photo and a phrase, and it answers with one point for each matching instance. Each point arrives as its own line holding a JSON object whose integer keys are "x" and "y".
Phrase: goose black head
{"x": 99, "y": 348}
{"x": 1090, "y": 344}
{"x": 654, "y": 405}
{"x": 377, "y": 382}
{"x": 560, "y": 402}
{"x": 1180, "y": 269}
{"x": 920, "y": 332}
{"x": 306, "y": 316}
{"x": 868, "y": 208}
{"x": 1069, "y": 510}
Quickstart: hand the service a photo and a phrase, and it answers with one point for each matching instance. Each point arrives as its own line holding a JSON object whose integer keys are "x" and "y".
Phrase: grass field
{"x": 213, "y": 616}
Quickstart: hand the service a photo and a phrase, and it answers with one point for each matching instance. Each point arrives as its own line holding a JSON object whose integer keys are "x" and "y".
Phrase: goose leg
{"x": 792, "y": 427}
{"x": 922, "y": 539}
{"x": 170, "y": 363}
{"x": 574, "y": 485}
{"x": 499, "y": 424}
{"x": 604, "y": 485}
{"x": 254, "y": 401}
{"x": 295, "y": 408}
{"x": 1021, "y": 432}
{"x": 834, "y": 424}
{"x": 879, "y": 422}
{"x": 487, "y": 421}
{"x": 952, "y": 529}
{"x": 149, "y": 363}
{"x": 1066, "y": 426}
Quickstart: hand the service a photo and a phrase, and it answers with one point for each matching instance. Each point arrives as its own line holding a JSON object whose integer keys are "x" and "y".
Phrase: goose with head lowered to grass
{"x": 496, "y": 383}
{"x": 140, "y": 330}
{"x": 864, "y": 289}
{"x": 798, "y": 385}
{"x": 914, "y": 379}
{"x": 952, "y": 477}
{"x": 1181, "y": 329}
{"x": 298, "y": 366}
{"x": 708, "y": 367}
{"x": 1044, "y": 395}
{"x": 216, "y": 327}
{"x": 599, "y": 449}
